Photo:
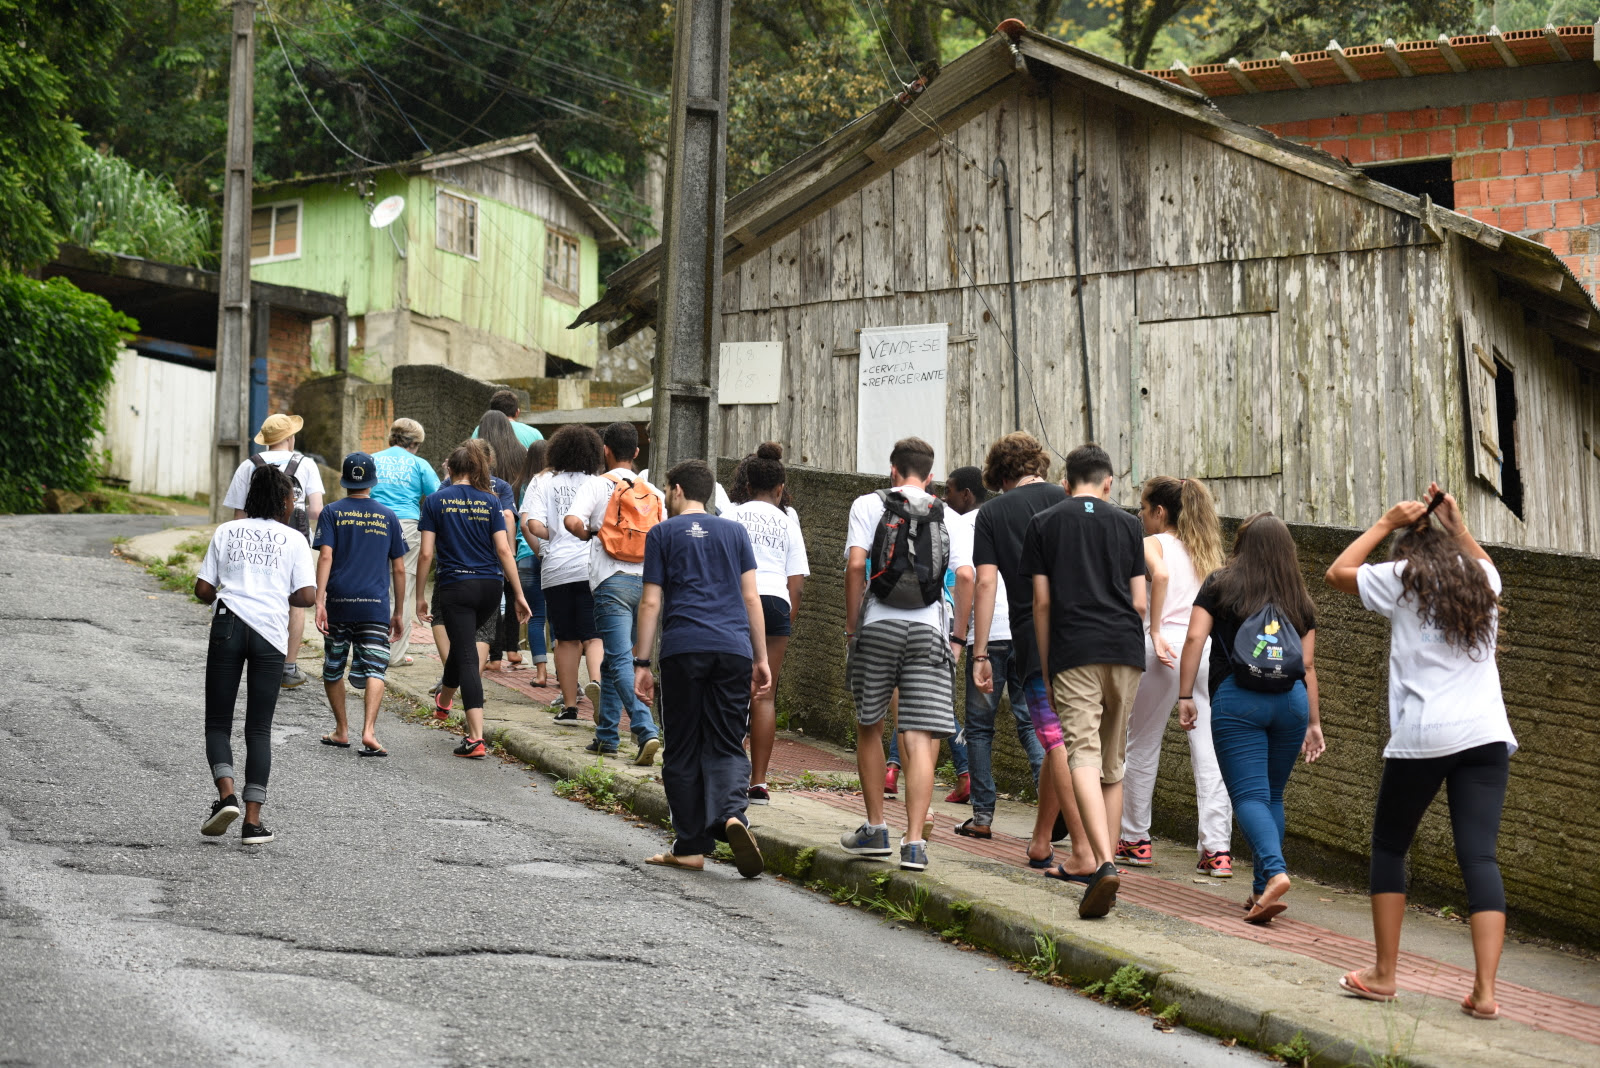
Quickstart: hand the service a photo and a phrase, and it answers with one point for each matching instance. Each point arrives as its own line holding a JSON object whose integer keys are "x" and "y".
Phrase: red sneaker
{"x": 891, "y": 781}
{"x": 441, "y": 710}
{"x": 1135, "y": 854}
{"x": 963, "y": 790}
{"x": 1218, "y": 865}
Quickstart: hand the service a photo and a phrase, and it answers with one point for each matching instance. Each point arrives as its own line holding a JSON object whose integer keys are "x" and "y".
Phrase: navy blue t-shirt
{"x": 503, "y": 490}
{"x": 698, "y": 561}
{"x": 463, "y": 521}
{"x": 364, "y": 535}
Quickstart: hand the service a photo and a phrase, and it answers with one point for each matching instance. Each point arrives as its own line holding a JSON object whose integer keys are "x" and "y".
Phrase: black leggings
{"x": 462, "y": 607}
{"x": 234, "y": 644}
{"x": 508, "y": 633}
{"x": 1475, "y": 783}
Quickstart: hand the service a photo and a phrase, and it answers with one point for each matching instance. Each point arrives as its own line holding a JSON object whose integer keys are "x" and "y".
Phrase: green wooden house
{"x": 494, "y": 253}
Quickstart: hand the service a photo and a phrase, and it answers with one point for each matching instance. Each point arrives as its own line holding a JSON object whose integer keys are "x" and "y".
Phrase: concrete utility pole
{"x": 232, "y": 426}
{"x": 685, "y": 416}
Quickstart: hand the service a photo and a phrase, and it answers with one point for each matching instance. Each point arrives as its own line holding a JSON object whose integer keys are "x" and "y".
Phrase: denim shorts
{"x": 777, "y": 613}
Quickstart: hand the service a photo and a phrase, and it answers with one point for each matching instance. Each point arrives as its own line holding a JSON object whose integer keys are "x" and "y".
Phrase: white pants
{"x": 1147, "y": 723}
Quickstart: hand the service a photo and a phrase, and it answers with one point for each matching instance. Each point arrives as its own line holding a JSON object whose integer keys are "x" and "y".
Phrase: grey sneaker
{"x": 647, "y": 753}
{"x": 913, "y": 855}
{"x": 591, "y": 690}
{"x": 293, "y": 676}
{"x": 866, "y": 841}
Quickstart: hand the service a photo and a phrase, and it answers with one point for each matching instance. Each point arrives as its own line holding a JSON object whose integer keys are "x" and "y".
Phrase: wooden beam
{"x": 1447, "y": 50}
{"x": 1396, "y": 59}
{"x": 1499, "y": 43}
{"x": 1286, "y": 61}
{"x": 1553, "y": 39}
{"x": 1236, "y": 69}
{"x": 1341, "y": 62}
{"x": 1581, "y": 340}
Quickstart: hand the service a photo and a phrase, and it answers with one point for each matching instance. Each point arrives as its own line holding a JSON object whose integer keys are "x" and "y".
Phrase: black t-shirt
{"x": 1225, "y": 626}
{"x": 1091, "y": 550}
{"x": 997, "y": 541}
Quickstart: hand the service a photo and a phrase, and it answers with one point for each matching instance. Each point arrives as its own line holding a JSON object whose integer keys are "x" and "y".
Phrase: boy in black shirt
{"x": 1086, "y": 557}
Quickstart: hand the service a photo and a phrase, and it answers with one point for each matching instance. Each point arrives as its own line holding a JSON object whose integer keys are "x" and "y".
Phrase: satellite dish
{"x": 387, "y": 211}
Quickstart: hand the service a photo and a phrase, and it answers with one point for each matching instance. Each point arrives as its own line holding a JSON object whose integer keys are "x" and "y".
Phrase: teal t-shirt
{"x": 404, "y": 478}
{"x": 526, "y": 434}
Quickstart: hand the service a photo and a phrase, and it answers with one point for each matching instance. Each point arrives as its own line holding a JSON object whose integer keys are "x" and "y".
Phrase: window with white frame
{"x": 562, "y": 265}
{"x": 275, "y": 232}
{"x": 458, "y": 224}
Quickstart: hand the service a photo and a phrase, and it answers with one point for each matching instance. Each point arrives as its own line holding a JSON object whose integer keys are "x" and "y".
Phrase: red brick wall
{"x": 288, "y": 358}
{"x": 376, "y": 417}
{"x": 1530, "y": 167}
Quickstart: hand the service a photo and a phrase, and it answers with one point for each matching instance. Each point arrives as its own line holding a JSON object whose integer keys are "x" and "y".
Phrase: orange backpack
{"x": 633, "y": 510}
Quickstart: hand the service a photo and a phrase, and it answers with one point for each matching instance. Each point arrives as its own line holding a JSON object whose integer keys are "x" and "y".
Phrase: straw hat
{"x": 274, "y": 428}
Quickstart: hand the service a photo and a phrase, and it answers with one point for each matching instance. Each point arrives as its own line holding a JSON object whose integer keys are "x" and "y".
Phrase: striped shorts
{"x": 895, "y": 654}
{"x": 371, "y": 644}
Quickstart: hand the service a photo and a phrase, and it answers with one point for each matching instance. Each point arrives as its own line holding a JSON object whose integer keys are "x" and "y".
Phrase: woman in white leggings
{"x": 1183, "y": 546}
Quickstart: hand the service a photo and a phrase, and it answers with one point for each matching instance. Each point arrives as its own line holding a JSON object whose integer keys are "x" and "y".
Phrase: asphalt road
{"x": 418, "y": 910}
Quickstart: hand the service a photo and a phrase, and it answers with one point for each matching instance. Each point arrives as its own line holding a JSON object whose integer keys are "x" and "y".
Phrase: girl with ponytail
{"x": 1183, "y": 545}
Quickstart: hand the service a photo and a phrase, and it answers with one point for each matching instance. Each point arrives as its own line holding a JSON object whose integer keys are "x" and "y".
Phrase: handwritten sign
{"x": 750, "y": 372}
{"x": 900, "y": 392}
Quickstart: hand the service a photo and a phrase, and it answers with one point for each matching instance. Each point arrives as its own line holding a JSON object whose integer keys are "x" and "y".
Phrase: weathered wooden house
{"x": 494, "y": 251}
{"x": 1201, "y": 296}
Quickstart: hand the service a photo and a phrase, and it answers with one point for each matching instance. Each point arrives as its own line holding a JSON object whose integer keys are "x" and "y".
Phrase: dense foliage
{"x": 103, "y": 202}
{"x": 58, "y": 347}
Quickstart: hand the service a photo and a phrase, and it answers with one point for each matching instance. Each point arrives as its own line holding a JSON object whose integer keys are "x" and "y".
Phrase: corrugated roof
{"x": 869, "y": 147}
{"x": 607, "y": 233}
{"x": 1336, "y": 65}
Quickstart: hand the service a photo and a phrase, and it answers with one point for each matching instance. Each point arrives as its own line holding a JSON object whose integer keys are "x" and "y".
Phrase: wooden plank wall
{"x": 158, "y": 422}
{"x": 1209, "y": 274}
{"x": 1556, "y": 402}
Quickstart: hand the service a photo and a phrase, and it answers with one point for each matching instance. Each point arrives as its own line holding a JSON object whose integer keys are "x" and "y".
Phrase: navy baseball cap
{"x": 360, "y": 471}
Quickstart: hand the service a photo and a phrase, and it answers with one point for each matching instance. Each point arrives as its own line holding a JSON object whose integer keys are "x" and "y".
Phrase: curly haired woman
{"x": 1447, "y": 725}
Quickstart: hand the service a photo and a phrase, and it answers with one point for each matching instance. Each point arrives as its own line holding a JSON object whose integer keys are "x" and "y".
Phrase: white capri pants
{"x": 1147, "y": 723}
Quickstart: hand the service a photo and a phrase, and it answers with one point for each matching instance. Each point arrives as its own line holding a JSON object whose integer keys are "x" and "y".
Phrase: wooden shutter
{"x": 1484, "y": 427}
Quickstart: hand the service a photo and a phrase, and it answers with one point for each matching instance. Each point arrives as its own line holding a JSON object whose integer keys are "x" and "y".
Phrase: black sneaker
{"x": 1101, "y": 893}
{"x": 223, "y": 813}
{"x": 473, "y": 748}
{"x": 254, "y": 834}
{"x": 758, "y": 795}
{"x": 567, "y": 715}
{"x": 599, "y": 750}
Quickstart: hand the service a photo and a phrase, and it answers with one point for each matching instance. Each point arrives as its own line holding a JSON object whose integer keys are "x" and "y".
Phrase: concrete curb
{"x": 1002, "y": 931}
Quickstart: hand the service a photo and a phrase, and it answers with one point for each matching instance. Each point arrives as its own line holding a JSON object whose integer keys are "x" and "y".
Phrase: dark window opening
{"x": 1428, "y": 176}
{"x": 1505, "y": 399}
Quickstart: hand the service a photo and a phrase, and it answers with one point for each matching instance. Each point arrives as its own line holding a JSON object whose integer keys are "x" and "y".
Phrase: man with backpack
{"x": 1086, "y": 558}
{"x": 897, "y": 630}
{"x": 613, "y": 513}
{"x": 277, "y": 434}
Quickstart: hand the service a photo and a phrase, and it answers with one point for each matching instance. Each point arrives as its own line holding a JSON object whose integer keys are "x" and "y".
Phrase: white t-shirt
{"x": 255, "y": 564}
{"x": 865, "y": 512}
{"x": 590, "y": 506}
{"x": 309, "y": 478}
{"x": 1441, "y": 700}
{"x": 565, "y": 558}
{"x": 1182, "y": 582}
{"x": 723, "y": 502}
{"x": 962, "y": 528}
{"x": 779, "y": 546}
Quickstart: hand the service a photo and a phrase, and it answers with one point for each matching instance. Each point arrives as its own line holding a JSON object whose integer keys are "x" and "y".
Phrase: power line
{"x": 363, "y": 61}
{"x": 271, "y": 18}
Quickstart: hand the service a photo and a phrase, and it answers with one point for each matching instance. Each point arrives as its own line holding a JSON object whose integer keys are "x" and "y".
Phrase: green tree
{"x": 103, "y": 202}
{"x": 50, "y": 50}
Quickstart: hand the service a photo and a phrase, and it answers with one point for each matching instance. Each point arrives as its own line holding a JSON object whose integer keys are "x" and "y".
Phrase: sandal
{"x": 1047, "y": 862}
{"x": 329, "y": 741}
{"x": 1477, "y": 1014}
{"x": 969, "y": 828}
{"x": 1059, "y": 872}
{"x": 668, "y": 860}
{"x": 369, "y": 752}
{"x": 1352, "y": 985}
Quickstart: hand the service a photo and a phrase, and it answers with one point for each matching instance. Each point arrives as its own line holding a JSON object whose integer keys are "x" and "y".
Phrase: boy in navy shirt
{"x": 700, "y": 575}
{"x": 360, "y": 551}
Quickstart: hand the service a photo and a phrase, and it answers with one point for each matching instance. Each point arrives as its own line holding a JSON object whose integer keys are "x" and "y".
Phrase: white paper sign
{"x": 900, "y": 392}
{"x": 750, "y": 372}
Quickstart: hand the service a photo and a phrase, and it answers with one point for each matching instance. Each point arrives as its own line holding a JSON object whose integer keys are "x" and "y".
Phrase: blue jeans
{"x": 1258, "y": 738}
{"x": 979, "y": 731}
{"x": 616, "y": 603}
{"x": 533, "y": 593}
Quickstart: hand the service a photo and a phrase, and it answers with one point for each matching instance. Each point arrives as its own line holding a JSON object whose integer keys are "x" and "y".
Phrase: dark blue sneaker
{"x": 866, "y": 841}
{"x": 913, "y": 855}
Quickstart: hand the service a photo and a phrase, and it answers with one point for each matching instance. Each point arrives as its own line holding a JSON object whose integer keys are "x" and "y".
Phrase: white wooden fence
{"x": 158, "y": 421}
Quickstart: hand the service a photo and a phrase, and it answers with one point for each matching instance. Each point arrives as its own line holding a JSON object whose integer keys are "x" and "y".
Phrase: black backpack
{"x": 300, "y": 521}
{"x": 1266, "y": 654}
{"x": 910, "y": 551}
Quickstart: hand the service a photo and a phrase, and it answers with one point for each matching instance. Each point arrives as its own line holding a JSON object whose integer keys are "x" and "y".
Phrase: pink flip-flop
{"x": 1352, "y": 985}
{"x": 1476, "y": 1013}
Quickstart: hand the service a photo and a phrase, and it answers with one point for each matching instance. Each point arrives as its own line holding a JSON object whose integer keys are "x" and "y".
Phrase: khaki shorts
{"x": 1093, "y": 702}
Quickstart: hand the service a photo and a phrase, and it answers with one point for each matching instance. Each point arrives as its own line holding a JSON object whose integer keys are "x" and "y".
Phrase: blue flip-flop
{"x": 1057, "y": 872}
{"x": 339, "y": 745}
{"x": 1047, "y": 862}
